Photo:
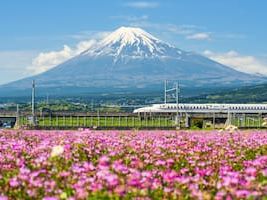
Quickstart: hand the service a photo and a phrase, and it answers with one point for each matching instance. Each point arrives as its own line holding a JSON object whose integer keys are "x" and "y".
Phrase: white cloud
{"x": 142, "y": 4}
{"x": 47, "y": 60}
{"x": 199, "y": 36}
{"x": 185, "y": 29}
{"x": 84, "y": 45}
{"x": 188, "y": 31}
{"x": 243, "y": 63}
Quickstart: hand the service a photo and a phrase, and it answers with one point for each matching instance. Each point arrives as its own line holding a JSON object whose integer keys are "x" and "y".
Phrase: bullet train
{"x": 204, "y": 108}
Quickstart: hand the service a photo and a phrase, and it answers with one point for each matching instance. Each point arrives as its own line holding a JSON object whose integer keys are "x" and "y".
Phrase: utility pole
{"x": 47, "y": 99}
{"x": 229, "y": 120}
{"x": 165, "y": 91}
{"x": 175, "y": 89}
{"x": 177, "y": 104}
{"x": 17, "y": 117}
{"x": 33, "y": 103}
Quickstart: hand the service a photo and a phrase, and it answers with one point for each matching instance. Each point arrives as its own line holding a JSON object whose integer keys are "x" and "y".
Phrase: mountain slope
{"x": 130, "y": 58}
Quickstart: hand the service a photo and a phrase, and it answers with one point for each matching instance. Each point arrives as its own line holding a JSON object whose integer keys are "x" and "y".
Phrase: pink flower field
{"x": 133, "y": 165}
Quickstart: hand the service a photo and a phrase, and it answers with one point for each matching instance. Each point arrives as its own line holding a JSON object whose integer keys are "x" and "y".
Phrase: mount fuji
{"x": 129, "y": 59}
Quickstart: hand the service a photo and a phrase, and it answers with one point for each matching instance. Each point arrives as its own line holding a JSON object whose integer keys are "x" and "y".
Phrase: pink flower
{"x": 220, "y": 195}
{"x": 160, "y": 163}
{"x": 242, "y": 193}
{"x": 104, "y": 161}
{"x": 96, "y": 186}
{"x": 50, "y": 198}
{"x": 134, "y": 179}
{"x": 89, "y": 166}
{"x": 170, "y": 162}
{"x": 251, "y": 171}
{"x": 13, "y": 182}
{"x": 169, "y": 176}
{"x": 112, "y": 180}
{"x": 81, "y": 193}
{"x": 120, "y": 190}
{"x": 264, "y": 172}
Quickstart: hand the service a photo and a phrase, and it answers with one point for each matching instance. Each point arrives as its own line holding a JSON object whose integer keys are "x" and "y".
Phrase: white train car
{"x": 204, "y": 108}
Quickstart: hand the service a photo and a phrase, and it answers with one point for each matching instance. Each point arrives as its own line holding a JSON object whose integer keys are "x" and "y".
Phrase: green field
{"x": 102, "y": 121}
{"x": 248, "y": 122}
{"x": 130, "y": 122}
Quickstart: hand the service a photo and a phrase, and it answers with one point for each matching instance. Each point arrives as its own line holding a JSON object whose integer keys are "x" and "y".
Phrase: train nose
{"x": 137, "y": 110}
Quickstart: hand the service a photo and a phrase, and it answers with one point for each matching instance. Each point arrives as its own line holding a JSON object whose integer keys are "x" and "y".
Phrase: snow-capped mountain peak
{"x": 129, "y": 36}
{"x": 132, "y": 42}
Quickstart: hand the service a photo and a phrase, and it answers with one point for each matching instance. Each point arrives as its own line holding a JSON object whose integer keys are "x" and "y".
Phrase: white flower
{"x": 231, "y": 128}
{"x": 57, "y": 150}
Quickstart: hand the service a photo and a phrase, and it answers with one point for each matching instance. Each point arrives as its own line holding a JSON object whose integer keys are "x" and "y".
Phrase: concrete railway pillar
{"x": 187, "y": 120}
{"x": 213, "y": 121}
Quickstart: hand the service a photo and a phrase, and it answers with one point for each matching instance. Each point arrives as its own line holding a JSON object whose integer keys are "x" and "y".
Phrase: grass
{"x": 248, "y": 122}
{"x": 73, "y": 121}
{"x": 130, "y": 121}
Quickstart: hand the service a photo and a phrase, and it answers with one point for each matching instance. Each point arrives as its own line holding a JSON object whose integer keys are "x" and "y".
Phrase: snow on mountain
{"x": 132, "y": 42}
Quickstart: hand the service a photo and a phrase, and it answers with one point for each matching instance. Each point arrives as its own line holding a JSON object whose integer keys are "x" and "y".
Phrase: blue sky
{"x": 37, "y": 35}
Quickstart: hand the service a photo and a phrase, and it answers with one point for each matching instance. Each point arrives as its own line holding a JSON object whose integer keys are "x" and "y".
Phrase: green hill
{"x": 247, "y": 94}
